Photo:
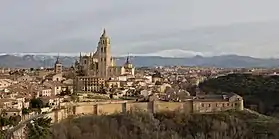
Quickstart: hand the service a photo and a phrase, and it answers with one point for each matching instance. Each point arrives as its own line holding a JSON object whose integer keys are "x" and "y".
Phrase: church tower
{"x": 104, "y": 58}
{"x": 57, "y": 66}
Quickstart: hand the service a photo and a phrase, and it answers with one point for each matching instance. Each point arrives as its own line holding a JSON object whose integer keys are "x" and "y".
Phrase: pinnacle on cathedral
{"x": 104, "y": 33}
{"x": 128, "y": 60}
{"x": 57, "y": 60}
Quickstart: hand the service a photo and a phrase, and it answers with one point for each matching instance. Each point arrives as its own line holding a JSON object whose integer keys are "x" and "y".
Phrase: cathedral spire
{"x": 57, "y": 59}
{"x": 128, "y": 59}
{"x": 79, "y": 56}
{"x": 104, "y": 33}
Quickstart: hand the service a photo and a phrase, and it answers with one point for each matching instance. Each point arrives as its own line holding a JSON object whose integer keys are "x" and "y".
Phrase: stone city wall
{"x": 116, "y": 107}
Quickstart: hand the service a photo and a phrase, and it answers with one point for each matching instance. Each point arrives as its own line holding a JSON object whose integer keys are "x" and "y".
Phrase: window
{"x": 235, "y": 104}
{"x": 209, "y": 105}
{"x": 202, "y": 105}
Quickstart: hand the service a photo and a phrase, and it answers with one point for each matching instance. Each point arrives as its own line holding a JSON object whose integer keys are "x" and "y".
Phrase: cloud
{"x": 140, "y": 26}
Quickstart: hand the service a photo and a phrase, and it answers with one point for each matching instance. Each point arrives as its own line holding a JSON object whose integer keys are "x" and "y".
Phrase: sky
{"x": 209, "y": 27}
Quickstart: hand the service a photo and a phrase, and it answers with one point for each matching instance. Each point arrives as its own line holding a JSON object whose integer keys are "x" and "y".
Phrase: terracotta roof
{"x": 12, "y": 110}
{"x": 53, "y": 83}
{"x": 3, "y": 100}
{"x": 50, "y": 75}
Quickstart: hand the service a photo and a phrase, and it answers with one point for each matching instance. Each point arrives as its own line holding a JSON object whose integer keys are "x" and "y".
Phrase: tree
{"x": 36, "y": 103}
{"x": 14, "y": 120}
{"x": 158, "y": 83}
{"x": 74, "y": 97}
{"x": 4, "y": 121}
{"x": 25, "y": 111}
{"x": 39, "y": 128}
{"x": 66, "y": 92}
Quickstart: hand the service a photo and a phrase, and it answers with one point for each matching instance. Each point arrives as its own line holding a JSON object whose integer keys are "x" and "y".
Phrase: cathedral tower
{"x": 104, "y": 55}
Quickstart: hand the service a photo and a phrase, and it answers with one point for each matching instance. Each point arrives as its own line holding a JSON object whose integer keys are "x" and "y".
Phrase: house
{"x": 112, "y": 83}
{"x": 157, "y": 77}
{"x": 45, "y": 91}
{"x": 54, "y": 77}
{"x": 68, "y": 85}
{"x": 52, "y": 101}
{"x": 25, "y": 78}
{"x": 211, "y": 103}
{"x": 5, "y": 83}
{"x": 55, "y": 86}
{"x": 7, "y": 113}
{"x": 6, "y": 103}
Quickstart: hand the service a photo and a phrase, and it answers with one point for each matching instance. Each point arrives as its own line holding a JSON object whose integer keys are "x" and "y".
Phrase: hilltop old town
{"x": 95, "y": 84}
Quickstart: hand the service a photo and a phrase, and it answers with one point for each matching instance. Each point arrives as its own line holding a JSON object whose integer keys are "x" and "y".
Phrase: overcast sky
{"x": 141, "y": 26}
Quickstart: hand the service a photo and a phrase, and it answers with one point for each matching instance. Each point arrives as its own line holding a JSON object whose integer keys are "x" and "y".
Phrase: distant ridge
{"x": 224, "y": 61}
{"x": 170, "y": 53}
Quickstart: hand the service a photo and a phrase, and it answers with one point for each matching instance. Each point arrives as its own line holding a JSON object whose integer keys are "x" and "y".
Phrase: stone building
{"x": 88, "y": 84}
{"x": 212, "y": 103}
{"x": 94, "y": 68}
{"x": 58, "y": 66}
{"x": 58, "y": 72}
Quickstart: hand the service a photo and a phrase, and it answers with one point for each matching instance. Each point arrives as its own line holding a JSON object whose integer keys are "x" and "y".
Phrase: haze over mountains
{"x": 225, "y": 61}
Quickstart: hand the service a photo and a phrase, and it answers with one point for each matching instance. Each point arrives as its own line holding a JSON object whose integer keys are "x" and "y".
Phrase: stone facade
{"x": 191, "y": 106}
{"x": 99, "y": 64}
{"x": 235, "y": 102}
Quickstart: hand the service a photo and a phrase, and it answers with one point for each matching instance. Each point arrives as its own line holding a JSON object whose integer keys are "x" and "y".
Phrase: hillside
{"x": 260, "y": 92}
{"x": 226, "y": 61}
{"x": 223, "y": 125}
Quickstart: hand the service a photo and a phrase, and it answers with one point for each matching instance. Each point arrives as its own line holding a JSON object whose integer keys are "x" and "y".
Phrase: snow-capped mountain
{"x": 175, "y": 53}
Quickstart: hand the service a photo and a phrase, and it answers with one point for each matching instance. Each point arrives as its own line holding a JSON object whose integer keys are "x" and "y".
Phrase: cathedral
{"x": 95, "y": 68}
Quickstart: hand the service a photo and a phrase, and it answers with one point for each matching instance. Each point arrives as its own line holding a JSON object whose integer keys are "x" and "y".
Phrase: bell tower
{"x": 104, "y": 58}
{"x": 57, "y": 66}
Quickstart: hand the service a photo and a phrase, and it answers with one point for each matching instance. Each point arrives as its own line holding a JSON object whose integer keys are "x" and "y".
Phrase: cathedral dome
{"x": 128, "y": 64}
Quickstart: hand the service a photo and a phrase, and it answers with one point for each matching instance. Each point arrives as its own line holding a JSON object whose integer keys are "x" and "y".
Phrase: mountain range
{"x": 225, "y": 61}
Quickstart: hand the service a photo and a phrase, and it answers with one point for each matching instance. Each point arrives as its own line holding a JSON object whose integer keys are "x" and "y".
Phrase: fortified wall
{"x": 152, "y": 107}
